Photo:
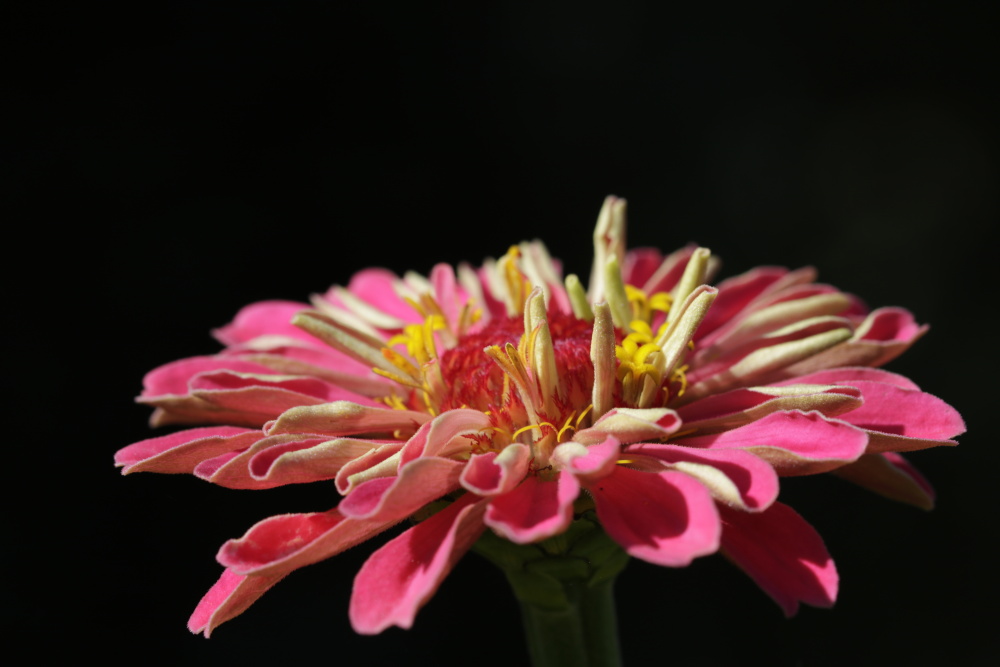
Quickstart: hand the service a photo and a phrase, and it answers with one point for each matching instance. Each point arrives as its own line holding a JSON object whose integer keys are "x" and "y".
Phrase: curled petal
{"x": 783, "y": 554}
{"x": 907, "y": 412}
{"x": 180, "y": 452}
{"x": 279, "y": 544}
{"x": 399, "y": 578}
{"x": 848, "y": 375}
{"x": 747, "y": 482}
{"x": 793, "y": 442}
{"x": 884, "y": 335}
{"x": 307, "y": 460}
{"x": 535, "y": 510}
{"x": 172, "y": 379}
{"x": 345, "y": 418}
{"x": 229, "y": 597}
{"x": 666, "y": 518}
{"x": 393, "y": 498}
{"x": 382, "y": 461}
{"x": 627, "y": 425}
{"x": 891, "y": 476}
{"x": 492, "y": 474}
{"x": 446, "y": 435}
{"x": 734, "y": 408}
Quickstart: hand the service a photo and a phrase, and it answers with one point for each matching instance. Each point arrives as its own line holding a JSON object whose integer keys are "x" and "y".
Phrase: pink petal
{"x": 492, "y": 474}
{"x": 665, "y": 518}
{"x": 308, "y": 460}
{"x": 393, "y": 498}
{"x": 627, "y": 425}
{"x": 233, "y": 470}
{"x": 728, "y": 410}
{"x": 399, "y": 578}
{"x": 326, "y": 363}
{"x": 445, "y": 291}
{"x": 346, "y": 418}
{"x": 587, "y": 462}
{"x": 737, "y": 293}
{"x": 229, "y": 381}
{"x": 229, "y": 597}
{"x": 265, "y": 318}
{"x": 172, "y": 379}
{"x": 891, "y": 476}
{"x": 754, "y": 479}
{"x": 535, "y": 510}
{"x": 446, "y": 435}
{"x": 907, "y": 412}
{"x": 380, "y": 462}
{"x": 376, "y": 286}
{"x": 883, "y": 336}
{"x": 783, "y": 554}
{"x": 793, "y": 442}
{"x": 180, "y": 452}
{"x": 848, "y": 375}
{"x": 279, "y": 544}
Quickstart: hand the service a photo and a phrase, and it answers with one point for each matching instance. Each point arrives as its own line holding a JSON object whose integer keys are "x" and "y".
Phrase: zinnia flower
{"x": 510, "y": 402}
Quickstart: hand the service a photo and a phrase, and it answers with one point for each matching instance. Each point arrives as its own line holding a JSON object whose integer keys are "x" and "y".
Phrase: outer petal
{"x": 783, "y": 554}
{"x": 884, "y": 335}
{"x": 399, "y": 578}
{"x": 722, "y": 412}
{"x": 229, "y": 597}
{"x": 492, "y": 474}
{"x": 263, "y": 318}
{"x": 393, "y": 498}
{"x": 279, "y": 544}
{"x": 182, "y": 451}
{"x": 794, "y": 442}
{"x": 345, "y": 418}
{"x": 848, "y": 375}
{"x": 627, "y": 425}
{"x": 907, "y": 412}
{"x": 892, "y": 476}
{"x": 172, "y": 379}
{"x": 752, "y": 482}
{"x": 665, "y": 518}
{"x": 535, "y": 510}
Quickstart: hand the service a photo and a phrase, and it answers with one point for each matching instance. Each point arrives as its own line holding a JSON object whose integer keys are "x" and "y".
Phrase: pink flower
{"x": 509, "y": 399}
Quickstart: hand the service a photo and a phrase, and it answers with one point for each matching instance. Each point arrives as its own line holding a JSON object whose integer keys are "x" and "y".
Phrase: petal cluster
{"x": 508, "y": 398}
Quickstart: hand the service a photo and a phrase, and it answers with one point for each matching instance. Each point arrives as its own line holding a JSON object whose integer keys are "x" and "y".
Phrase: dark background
{"x": 171, "y": 162}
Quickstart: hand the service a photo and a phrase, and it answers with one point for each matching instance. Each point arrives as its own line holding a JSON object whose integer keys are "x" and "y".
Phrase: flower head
{"x": 511, "y": 400}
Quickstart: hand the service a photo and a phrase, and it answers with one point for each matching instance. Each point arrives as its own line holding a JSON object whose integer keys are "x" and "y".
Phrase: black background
{"x": 167, "y": 163}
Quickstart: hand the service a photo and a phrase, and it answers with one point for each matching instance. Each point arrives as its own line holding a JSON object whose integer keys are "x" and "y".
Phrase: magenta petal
{"x": 794, "y": 442}
{"x": 891, "y": 476}
{"x": 536, "y": 509}
{"x": 905, "y": 412}
{"x": 666, "y": 518}
{"x": 393, "y": 498}
{"x": 754, "y": 478}
{"x": 172, "y": 379}
{"x": 376, "y": 286}
{"x": 783, "y": 554}
{"x": 229, "y": 597}
{"x": 182, "y": 451}
{"x": 491, "y": 473}
{"x": 399, "y": 578}
{"x": 265, "y": 318}
{"x": 279, "y": 544}
{"x": 849, "y": 375}
{"x": 446, "y": 435}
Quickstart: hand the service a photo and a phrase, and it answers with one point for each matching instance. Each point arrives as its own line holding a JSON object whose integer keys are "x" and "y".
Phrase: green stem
{"x": 566, "y": 589}
{"x": 583, "y": 633}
